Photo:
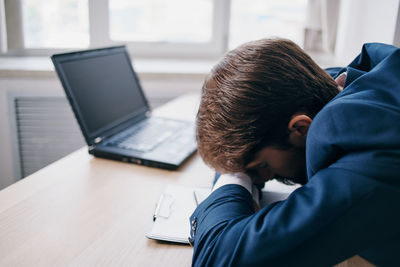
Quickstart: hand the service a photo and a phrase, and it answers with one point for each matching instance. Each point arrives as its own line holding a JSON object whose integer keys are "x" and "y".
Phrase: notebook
{"x": 173, "y": 210}
{"x": 113, "y": 113}
{"x": 177, "y": 203}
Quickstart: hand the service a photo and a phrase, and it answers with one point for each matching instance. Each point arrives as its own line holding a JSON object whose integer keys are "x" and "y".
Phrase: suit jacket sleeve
{"x": 320, "y": 224}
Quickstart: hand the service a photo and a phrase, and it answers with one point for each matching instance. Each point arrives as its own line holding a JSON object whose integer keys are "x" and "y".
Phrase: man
{"x": 268, "y": 111}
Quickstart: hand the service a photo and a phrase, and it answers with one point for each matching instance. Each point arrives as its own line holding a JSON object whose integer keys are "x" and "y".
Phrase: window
{"x": 173, "y": 28}
{"x": 174, "y": 21}
{"x": 255, "y": 19}
{"x": 43, "y": 29}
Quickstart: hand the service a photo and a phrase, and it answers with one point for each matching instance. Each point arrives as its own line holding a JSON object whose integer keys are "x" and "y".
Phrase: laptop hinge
{"x": 98, "y": 140}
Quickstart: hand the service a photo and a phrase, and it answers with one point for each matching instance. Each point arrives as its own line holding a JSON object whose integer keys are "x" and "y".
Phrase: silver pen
{"x": 158, "y": 207}
{"x": 195, "y": 198}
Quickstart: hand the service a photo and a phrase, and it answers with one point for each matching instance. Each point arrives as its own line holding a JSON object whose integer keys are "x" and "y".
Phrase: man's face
{"x": 272, "y": 162}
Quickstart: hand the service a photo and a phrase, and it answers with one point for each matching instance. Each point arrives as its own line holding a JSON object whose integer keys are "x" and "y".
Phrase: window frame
{"x": 99, "y": 34}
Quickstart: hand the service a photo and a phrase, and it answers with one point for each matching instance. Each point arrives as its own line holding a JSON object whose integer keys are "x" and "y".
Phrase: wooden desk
{"x": 89, "y": 211}
{"x": 86, "y": 211}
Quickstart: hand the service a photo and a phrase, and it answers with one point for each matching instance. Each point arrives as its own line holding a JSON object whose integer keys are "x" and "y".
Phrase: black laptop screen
{"x": 104, "y": 88}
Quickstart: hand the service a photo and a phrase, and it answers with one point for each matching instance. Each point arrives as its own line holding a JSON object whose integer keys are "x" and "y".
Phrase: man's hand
{"x": 340, "y": 80}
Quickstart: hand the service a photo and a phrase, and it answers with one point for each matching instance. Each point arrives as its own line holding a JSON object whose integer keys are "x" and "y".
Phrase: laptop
{"x": 113, "y": 112}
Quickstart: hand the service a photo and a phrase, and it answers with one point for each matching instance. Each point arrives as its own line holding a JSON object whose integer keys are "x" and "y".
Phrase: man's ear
{"x": 298, "y": 127}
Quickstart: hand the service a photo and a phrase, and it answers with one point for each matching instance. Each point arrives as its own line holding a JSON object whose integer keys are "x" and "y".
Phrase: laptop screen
{"x": 104, "y": 88}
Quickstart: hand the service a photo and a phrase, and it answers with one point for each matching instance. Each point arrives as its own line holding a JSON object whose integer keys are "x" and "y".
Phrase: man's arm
{"x": 336, "y": 215}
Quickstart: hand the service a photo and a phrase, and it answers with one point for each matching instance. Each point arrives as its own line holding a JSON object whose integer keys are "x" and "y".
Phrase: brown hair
{"x": 250, "y": 96}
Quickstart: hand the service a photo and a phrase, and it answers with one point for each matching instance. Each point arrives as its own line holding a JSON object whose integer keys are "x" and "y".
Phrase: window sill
{"x": 42, "y": 67}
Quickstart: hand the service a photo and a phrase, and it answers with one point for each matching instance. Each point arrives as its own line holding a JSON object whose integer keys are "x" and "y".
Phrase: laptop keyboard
{"x": 146, "y": 135}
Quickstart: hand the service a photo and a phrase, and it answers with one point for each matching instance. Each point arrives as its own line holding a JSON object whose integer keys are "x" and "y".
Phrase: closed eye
{"x": 263, "y": 165}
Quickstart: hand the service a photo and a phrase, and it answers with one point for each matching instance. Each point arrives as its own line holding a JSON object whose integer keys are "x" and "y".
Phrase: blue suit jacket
{"x": 351, "y": 203}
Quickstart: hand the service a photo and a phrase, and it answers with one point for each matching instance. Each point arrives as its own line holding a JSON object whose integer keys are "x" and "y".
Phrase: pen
{"x": 195, "y": 198}
{"x": 158, "y": 207}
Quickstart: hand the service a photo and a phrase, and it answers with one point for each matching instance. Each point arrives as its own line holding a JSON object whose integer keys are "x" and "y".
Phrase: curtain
{"x": 321, "y": 25}
{"x": 340, "y": 28}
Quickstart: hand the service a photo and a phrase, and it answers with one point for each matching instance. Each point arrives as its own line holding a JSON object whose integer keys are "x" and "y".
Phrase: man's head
{"x": 261, "y": 95}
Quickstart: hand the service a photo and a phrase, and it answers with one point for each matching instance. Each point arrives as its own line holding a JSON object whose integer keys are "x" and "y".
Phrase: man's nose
{"x": 266, "y": 173}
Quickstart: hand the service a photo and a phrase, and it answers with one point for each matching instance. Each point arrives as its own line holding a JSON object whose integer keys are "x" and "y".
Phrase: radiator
{"x": 46, "y": 131}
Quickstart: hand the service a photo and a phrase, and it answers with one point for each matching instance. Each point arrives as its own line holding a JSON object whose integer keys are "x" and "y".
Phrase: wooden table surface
{"x": 86, "y": 211}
